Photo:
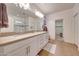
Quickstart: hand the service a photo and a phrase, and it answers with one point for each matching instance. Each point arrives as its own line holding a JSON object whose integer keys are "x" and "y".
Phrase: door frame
{"x": 55, "y": 28}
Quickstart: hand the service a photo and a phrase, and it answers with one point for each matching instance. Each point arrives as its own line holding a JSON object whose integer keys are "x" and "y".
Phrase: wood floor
{"x": 62, "y": 49}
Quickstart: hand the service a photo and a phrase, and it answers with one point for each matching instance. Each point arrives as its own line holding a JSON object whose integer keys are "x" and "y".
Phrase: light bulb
{"x": 39, "y": 14}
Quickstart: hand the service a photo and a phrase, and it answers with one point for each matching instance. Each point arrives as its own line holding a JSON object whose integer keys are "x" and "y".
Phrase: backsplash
{"x": 2, "y": 34}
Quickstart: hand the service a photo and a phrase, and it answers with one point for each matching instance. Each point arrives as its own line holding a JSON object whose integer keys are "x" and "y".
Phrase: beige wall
{"x": 76, "y": 11}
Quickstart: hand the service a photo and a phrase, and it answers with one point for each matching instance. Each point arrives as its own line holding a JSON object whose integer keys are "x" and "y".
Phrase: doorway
{"x": 59, "y": 29}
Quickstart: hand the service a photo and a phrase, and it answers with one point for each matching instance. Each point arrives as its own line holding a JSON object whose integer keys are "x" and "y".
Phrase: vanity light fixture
{"x": 39, "y": 14}
{"x": 26, "y": 6}
{"x": 23, "y": 5}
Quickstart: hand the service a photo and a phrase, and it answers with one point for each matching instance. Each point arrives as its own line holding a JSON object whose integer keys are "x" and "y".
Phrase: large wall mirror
{"x": 22, "y": 21}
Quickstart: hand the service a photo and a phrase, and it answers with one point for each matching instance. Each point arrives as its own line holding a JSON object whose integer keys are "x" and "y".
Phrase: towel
{"x": 3, "y": 15}
{"x": 0, "y": 15}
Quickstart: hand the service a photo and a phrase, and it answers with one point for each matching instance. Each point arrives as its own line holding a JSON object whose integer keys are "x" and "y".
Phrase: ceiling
{"x": 45, "y": 8}
{"x": 48, "y": 8}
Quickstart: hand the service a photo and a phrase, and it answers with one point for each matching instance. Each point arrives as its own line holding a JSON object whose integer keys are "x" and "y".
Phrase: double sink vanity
{"x": 27, "y": 44}
{"x": 26, "y": 36}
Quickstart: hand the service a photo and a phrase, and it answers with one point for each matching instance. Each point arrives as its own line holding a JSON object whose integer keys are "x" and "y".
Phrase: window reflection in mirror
{"x": 27, "y": 25}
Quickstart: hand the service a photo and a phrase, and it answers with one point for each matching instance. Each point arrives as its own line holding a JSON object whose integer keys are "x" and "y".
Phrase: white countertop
{"x": 13, "y": 38}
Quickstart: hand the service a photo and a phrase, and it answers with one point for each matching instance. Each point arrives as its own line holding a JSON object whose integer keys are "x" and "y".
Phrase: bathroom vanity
{"x": 28, "y": 44}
